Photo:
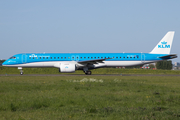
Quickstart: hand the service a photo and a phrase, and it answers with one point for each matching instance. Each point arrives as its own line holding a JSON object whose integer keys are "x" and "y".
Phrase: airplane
{"x": 70, "y": 62}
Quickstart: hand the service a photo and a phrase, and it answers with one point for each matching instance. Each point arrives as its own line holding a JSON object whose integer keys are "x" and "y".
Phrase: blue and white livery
{"x": 70, "y": 62}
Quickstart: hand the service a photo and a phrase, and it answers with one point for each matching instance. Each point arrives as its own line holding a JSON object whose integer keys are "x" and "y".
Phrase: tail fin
{"x": 164, "y": 46}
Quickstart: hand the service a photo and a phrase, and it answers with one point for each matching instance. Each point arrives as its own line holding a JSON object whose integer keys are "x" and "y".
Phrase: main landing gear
{"x": 88, "y": 72}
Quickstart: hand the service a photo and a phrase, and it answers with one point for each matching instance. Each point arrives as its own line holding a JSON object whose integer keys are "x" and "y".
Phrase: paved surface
{"x": 90, "y": 75}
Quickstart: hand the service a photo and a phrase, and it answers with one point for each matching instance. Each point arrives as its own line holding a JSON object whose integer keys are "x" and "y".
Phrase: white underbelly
{"x": 104, "y": 64}
{"x": 125, "y": 63}
{"x": 35, "y": 64}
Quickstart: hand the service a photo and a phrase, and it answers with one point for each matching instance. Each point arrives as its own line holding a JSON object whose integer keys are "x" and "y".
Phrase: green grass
{"x": 7, "y": 70}
{"x": 97, "y": 97}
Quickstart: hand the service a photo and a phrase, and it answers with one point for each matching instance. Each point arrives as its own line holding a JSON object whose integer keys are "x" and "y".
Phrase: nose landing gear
{"x": 21, "y": 71}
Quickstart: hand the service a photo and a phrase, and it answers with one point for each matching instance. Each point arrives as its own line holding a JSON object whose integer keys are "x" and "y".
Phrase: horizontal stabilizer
{"x": 171, "y": 56}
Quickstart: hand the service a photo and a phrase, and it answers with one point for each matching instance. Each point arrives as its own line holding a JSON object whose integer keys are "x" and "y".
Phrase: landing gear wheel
{"x": 88, "y": 73}
{"x": 21, "y": 71}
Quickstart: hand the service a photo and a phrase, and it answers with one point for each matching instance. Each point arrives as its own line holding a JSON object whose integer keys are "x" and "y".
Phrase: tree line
{"x": 166, "y": 65}
{"x": 1, "y": 61}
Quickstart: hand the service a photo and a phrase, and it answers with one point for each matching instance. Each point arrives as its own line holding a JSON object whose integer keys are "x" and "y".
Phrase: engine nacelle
{"x": 67, "y": 67}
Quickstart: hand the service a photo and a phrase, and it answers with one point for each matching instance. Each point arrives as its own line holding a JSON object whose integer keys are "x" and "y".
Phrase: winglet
{"x": 164, "y": 46}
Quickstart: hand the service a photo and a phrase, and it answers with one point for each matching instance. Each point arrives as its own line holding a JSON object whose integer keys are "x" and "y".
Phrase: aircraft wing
{"x": 95, "y": 61}
{"x": 171, "y": 56}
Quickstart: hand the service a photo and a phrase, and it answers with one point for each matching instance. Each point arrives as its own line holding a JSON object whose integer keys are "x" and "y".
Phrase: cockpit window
{"x": 12, "y": 57}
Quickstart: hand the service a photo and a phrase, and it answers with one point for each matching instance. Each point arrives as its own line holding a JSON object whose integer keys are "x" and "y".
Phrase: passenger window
{"x": 54, "y": 57}
{"x": 101, "y": 57}
{"x": 47, "y": 57}
{"x": 91, "y": 57}
{"x": 84, "y": 57}
{"x": 94, "y": 57}
{"x": 61, "y": 57}
{"x": 116, "y": 57}
{"x": 29, "y": 57}
{"x": 43, "y": 57}
{"x": 58, "y": 57}
{"x": 64, "y": 57}
{"x": 40, "y": 57}
{"x": 88, "y": 57}
{"x": 81, "y": 57}
{"x": 51, "y": 57}
{"x": 33, "y": 57}
{"x": 36, "y": 57}
{"x": 98, "y": 57}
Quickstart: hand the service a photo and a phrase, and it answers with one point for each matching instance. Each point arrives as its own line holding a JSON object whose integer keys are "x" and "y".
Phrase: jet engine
{"x": 67, "y": 67}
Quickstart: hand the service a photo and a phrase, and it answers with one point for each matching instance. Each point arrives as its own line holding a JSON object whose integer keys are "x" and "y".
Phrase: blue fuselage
{"x": 68, "y": 57}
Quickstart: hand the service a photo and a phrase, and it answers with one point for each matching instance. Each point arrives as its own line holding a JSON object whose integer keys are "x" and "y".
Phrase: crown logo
{"x": 33, "y": 55}
{"x": 164, "y": 42}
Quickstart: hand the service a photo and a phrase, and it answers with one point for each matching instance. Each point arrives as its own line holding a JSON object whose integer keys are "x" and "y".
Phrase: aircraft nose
{"x": 5, "y": 63}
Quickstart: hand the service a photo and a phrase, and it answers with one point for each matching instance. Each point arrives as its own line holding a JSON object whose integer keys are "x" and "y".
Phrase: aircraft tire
{"x": 88, "y": 72}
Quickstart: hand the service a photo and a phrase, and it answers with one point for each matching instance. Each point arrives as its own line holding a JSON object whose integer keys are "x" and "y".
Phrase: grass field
{"x": 8, "y": 70}
{"x": 97, "y": 97}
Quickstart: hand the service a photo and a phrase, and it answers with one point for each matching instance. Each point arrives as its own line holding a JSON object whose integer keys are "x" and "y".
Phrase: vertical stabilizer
{"x": 164, "y": 46}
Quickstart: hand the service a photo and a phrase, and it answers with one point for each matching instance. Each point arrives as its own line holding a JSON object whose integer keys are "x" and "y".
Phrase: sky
{"x": 87, "y": 26}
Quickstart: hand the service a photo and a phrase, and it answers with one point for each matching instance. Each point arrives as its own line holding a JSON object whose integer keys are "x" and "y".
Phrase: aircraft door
{"x": 75, "y": 58}
{"x": 142, "y": 57}
{"x": 24, "y": 58}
